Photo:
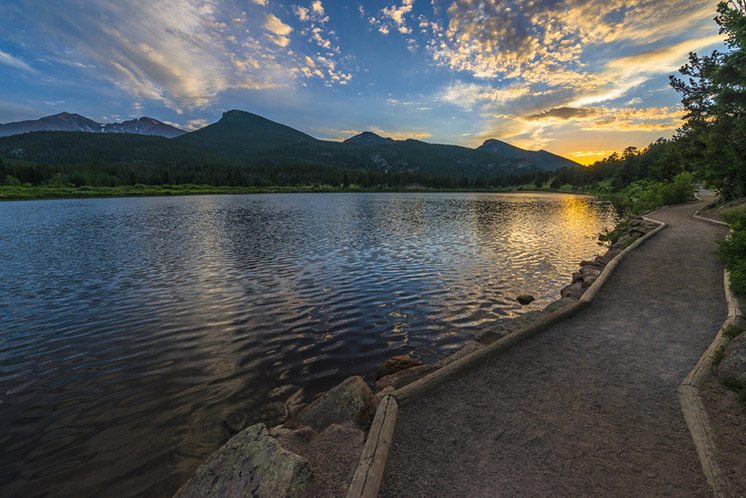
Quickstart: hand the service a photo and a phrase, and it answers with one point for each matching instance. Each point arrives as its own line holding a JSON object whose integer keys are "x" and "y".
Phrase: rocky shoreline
{"x": 315, "y": 452}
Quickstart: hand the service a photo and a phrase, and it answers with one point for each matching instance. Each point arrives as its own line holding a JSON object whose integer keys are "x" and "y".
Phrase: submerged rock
{"x": 252, "y": 463}
{"x": 525, "y": 299}
{"x": 396, "y": 364}
{"x": 732, "y": 369}
{"x": 349, "y": 402}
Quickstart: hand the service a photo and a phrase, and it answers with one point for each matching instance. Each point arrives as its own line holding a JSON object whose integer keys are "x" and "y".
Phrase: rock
{"x": 333, "y": 455}
{"x": 635, "y": 222}
{"x": 577, "y": 277}
{"x": 349, "y": 402}
{"x": 396, "y": 364}
{"x": 592, "y": 264}
{"x": 295, "y": 440}
{"x": 637, "y": 231}
{"x": 572, "y": 291}
{"x": 590, "y": 272}
{"x": 251, "y": 463}
{"x": 623, "y": 241}
{"x": 404, "y": 377}
{"x": 732, "y": 369}
{"x": 612, "y": 253}
{"x": 588, "y": 281}
{"x": 525, "y": 299}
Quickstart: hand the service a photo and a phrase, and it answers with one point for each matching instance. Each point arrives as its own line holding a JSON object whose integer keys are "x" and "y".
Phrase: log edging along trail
{"x": 370, "y": 470}
{"x": 690, "y": 396}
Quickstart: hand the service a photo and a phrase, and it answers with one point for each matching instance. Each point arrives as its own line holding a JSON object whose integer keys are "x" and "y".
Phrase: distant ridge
{"x": 66, "y": 121}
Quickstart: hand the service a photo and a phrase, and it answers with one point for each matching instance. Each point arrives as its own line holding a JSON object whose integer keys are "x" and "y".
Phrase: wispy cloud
{"x": 15, "y": 62}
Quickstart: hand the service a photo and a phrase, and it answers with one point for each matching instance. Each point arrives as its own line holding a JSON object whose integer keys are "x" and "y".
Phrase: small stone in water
{"x": 525, "y": 299}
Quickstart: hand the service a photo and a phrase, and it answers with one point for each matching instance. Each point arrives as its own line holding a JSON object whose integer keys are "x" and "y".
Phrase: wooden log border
{"x": 369, "y": 473}
{"x": 690, "y": 396}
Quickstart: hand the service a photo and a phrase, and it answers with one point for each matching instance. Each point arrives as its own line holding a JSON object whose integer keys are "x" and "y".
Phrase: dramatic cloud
{"x": 580, "y": 76}
{"x": 563, "y": 113}
{"x": 526, "y": 38}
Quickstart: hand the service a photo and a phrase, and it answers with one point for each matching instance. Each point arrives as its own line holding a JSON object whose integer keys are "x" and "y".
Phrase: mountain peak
{"x": 242, "y": 133}
{"x": 368, "y": 138}
{"x": 67, "y": 121}
{"x": 237, "y": 114}
{"x": 540, "y": 158}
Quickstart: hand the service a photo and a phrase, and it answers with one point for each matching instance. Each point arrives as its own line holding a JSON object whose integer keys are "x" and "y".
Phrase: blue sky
{"x": 578, "y": 77}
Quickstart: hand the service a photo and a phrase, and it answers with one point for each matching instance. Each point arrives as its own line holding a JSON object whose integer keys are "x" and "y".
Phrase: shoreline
{"x": 196, "y": 190}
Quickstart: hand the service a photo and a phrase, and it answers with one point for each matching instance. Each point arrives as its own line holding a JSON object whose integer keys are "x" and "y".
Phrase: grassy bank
{"x": 30, "y": 192}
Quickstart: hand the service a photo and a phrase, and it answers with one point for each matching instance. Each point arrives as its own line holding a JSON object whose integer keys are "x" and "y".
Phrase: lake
{"x": 132, "y": 329}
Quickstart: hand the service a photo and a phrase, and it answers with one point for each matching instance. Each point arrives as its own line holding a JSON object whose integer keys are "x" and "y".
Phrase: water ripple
{"x": 131, "y": 328}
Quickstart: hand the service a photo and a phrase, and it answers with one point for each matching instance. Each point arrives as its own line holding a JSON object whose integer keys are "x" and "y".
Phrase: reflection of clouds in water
{"x": 179, "y": 311}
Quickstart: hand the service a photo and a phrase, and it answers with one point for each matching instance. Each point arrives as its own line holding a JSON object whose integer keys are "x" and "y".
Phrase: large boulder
{"x": 252, "y": 463}
{"x": 732, "y": 368}
{"x": 349, "y": 402}
{"x": 396, "y": 364}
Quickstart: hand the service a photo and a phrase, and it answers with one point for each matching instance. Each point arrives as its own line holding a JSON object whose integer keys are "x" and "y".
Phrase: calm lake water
{"x": 131, "y": 329}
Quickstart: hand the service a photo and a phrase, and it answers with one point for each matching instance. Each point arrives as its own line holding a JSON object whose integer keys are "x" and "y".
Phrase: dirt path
{"x": 588, "y": 407}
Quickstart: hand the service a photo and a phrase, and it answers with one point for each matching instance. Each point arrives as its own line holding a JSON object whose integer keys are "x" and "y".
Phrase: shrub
{"x": 733, "y": 251}
{"x": 679, "y": 190}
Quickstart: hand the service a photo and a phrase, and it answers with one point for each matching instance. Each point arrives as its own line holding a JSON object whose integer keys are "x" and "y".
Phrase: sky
{"x": 581, "y": 78}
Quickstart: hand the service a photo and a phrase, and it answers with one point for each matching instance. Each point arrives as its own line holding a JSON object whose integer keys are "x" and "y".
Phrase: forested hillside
{"x": 244, "y": 149}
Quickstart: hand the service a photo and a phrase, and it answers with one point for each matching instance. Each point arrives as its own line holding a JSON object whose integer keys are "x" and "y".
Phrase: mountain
{"x": 246, "y": 148}
{"x": 540, "y": 158}
{"x": 143, "y": 126}
{"x": 241, "y": 135}
{"x": 66, "y": 121}
{"x": 368, "y": 138}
